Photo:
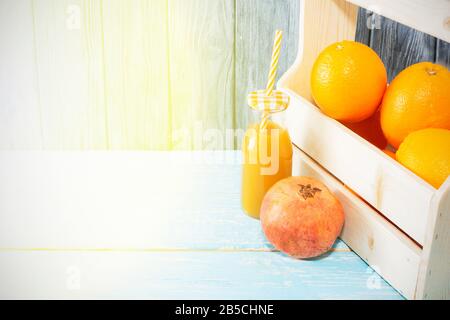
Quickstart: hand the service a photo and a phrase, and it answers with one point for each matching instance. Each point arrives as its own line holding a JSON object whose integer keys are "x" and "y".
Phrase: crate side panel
{"x": 434, "y": 278}
{"x": 392, "y": 189}
{"x": 379, "y": 243}
{"x": 427, "y": 16}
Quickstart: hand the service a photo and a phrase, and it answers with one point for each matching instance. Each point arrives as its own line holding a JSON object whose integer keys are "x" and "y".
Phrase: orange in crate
{"x": 370, "y": 130}
{"x": 348, "y": 81}
{"x": 418, "y": 98}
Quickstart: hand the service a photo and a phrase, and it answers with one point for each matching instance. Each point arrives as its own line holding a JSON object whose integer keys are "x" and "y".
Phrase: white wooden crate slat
{"x": 381, "y": 181}
{"x": 406, "y": 202}
{"x": 432, "y": 17}
{"x": 375, "y": 240}
{"x": 434, "y": 276}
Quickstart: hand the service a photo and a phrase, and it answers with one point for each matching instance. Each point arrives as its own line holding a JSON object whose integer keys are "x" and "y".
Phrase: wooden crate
{"x": 395, "y": 221}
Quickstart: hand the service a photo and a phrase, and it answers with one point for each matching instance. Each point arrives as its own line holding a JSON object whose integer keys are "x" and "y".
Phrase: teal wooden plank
{"x": 187, "y": 275}
{"x": 133, "y": 200}
{"x": 151, "y": 225}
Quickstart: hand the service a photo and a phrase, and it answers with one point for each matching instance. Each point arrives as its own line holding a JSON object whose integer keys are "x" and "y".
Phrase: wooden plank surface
{"x": 131, "y": 202}
{"x": 322, "y": 23}
{"x": 434, "y": 276}
{"x": 443, "y": 53}
{"x": 400, "y": 46}
{"x": 364, "y": 26}
{"x": 368, "y": 171}
{"x": 136, "y": 70}
{"x": 87, "y": 74}
{"x": 430, "y": 17}
{"x": 377, "y": 241}
{"x": 66, "y": 77}
{"x": 201, "y": 53}
{"x": 151, "y": 225}
{"x": 187, "y": 275}
{"x": 256, "y": 23}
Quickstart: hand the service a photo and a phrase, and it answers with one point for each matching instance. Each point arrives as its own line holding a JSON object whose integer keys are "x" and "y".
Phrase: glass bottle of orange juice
{"x": 267, "y": 151}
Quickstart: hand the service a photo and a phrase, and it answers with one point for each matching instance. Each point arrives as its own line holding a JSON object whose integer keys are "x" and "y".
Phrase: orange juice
{"x": 267, "y": 152}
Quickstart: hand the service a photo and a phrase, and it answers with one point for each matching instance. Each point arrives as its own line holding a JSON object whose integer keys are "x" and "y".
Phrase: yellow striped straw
{"x": 272, "y": 73}
{"x": 274, "y": 64}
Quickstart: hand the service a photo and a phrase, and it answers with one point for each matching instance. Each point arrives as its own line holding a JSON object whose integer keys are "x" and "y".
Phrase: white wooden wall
{"x": 134, "y": 74}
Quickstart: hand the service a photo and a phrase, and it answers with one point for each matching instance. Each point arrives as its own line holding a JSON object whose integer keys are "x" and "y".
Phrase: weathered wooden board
{"x": 443, "y": 53}
{"x": 136, "y": 71}
{"x": 95, "y": 127}
{"x": 140, "y": 74}
{"x": 129, "y": 201}
{"x": 201, "y": 53}
{"x": 63, "y": 50}
{"x": 375, "y": 240}
{"x": 434, "y": 276}
{"x": 322, "y": 23}
{"x": 427, "y": 16}
{"x": 101, "y": 70}
{"x": 192, "y": 275}
{"x": 256, "y": 23}
{"x": 151, "y": 225}
{"x": 364, "y": 26}
{"x": 399, "y": 46}
{"x": 87, "y": 74}
{"x": 361, "y": 166}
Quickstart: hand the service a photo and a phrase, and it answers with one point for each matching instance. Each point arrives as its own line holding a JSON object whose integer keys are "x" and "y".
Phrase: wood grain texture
{"x": 188, "y": 275}
{"x": 131, "y": 201}
{"x": 256, "y": 23}
{"x": 102, "y": 81}
{"x": 95, "y": 129}
{"x": 431, "y": 17}
{"x": 151, "y": 225}
{"x": 364, "y": 26}
{"x": 434, "y": 276}
{"x": 201, "y": 41}
{"x": 87, "y": 74}
{"x": 135, "y": 61}
{"x": 146, "y": 75}
{"x": 443, "y": 53}
{"x": 400, "y": 46}
{"x": 364, "y": 168}
{"x": 375, "y": 239}
{"x": 322, "y": 23}
{"x": 69, "y": 120}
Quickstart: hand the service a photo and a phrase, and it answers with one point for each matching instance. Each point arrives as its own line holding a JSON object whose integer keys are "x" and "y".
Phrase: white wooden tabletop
{"x": 151, "y": 225}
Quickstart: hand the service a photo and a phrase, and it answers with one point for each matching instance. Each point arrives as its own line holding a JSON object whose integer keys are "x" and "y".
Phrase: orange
{"x": 370, "y": 129}
{"x": 348, "y": 81}
{"x": 390, "y": 153}
{"x": 427, "y": 153}
{"x": 418, "y": 98}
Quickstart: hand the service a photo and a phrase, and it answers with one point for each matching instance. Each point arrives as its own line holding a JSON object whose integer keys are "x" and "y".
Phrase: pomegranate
{"x": 301, "y": 217}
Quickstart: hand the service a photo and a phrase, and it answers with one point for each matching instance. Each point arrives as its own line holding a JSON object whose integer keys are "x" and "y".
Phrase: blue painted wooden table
{"x": 151, "y": 225}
